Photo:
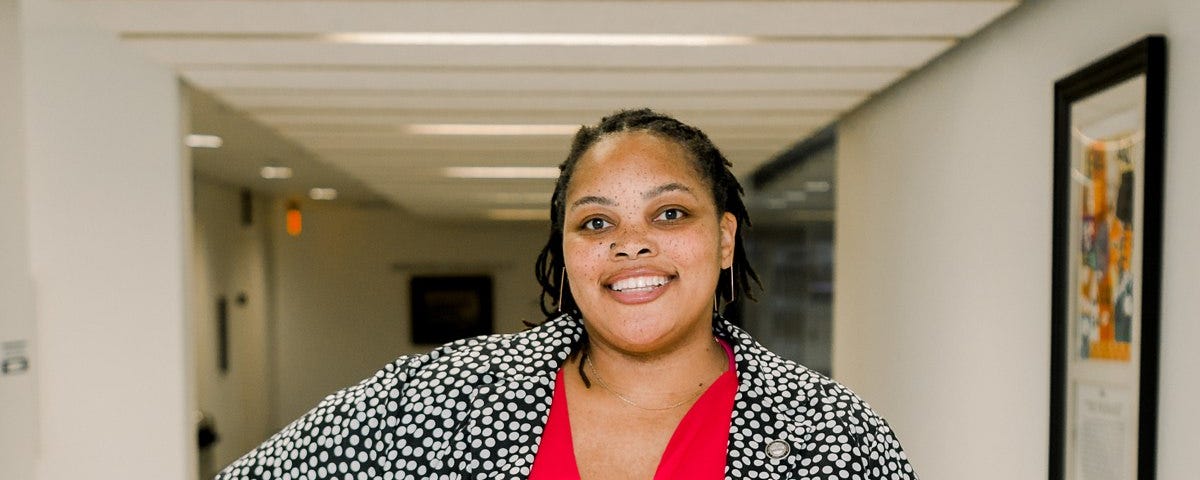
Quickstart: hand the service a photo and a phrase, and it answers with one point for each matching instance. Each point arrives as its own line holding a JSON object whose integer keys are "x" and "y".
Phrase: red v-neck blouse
{"x": 696, "y": 450}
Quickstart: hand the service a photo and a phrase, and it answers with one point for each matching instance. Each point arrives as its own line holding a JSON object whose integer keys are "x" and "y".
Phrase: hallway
{"x": 145, "y": 280}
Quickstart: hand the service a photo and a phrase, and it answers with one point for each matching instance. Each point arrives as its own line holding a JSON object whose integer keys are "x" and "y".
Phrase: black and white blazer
{"x": 475, "y": 409}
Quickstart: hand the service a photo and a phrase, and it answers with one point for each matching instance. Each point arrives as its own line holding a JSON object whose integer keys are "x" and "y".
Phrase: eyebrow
{"x": 592, "y": 199}
{"x": 653, "y": 192}
{"x": 667, "y": 187}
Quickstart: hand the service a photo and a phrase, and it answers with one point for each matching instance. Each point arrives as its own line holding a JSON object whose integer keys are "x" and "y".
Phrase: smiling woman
{"x": 644, "y": 247}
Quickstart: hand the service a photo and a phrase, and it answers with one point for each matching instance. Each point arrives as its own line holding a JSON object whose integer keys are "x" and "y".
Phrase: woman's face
{"x": 643, "y": 243}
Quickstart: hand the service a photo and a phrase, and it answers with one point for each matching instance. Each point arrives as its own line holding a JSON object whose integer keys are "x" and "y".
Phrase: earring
{"x": 732, "y": 291}
{"x": 562, "y": 279}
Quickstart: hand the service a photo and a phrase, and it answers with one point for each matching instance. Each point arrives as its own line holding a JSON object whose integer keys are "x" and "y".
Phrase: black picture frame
{"x": 448, "y": 308}
{"x": 1105, "y": 353}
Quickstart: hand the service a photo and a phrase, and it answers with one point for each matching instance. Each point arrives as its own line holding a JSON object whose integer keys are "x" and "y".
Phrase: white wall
{"x": 18, "y": 392}
{"x": 109, "y": 211}
{"x": 342, "y": 310}
{"x": 230, "y": 259}
{"x": 943, "y": 256}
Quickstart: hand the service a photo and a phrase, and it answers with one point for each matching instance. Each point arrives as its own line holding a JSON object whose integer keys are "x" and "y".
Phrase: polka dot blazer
{"x": 475, "y": 409}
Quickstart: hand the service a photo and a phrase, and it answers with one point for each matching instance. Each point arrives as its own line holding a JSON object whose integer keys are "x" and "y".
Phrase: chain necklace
{"x": 600, "y": 379}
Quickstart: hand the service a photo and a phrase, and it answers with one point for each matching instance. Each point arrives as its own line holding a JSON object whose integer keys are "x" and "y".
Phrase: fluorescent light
{"x": 519, "y": 214}
{"x": 488, "y": 129}
{"x": 514, "y": 198}
{"x": 817, "y": 186}
{"x": 537, "y": 39}
{"x": 196, "y": 140}
{"x": 795, "y": 196}
{"x": 323, "y": 194}
{"x": 501, "y": 172}
{"x": 276, "y": 173}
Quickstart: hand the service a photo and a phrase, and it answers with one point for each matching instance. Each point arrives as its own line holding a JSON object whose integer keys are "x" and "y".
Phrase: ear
{"x": 729, "y": 226}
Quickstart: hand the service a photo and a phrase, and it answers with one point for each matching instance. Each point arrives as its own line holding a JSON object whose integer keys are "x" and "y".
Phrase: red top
{"x": 696, "y": 450}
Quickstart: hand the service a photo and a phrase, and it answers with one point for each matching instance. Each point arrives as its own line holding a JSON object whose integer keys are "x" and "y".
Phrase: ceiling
{"x": 371, "y": 115}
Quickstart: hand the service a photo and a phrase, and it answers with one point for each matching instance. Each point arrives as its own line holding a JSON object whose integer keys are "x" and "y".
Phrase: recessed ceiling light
{"x": 271, "y": 172}
{"x": 197, "y": 140}
{"x": 514, "y": 198}
{"x": 488, "y": 129}
{"x": 537, "y": 39}
{"x": 501, "y": 172}
{"x": 795, "y": 196}
{"x": 776, "y": 203}
{"x": 817, "y": 186}
{"x": 323, "y": 194}
{"x": 519, "y": 214}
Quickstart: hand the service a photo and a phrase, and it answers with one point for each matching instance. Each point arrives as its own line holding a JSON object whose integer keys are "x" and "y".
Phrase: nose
{"x": 632, "y": 243}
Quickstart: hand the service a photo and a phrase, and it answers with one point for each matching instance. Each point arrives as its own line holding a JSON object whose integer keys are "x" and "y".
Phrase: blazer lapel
{"x": 763, "y": 441}
{"x": 500, "y": 441}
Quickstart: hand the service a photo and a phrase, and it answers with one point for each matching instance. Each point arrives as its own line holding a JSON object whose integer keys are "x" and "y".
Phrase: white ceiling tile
{"x": 767, "y": 18}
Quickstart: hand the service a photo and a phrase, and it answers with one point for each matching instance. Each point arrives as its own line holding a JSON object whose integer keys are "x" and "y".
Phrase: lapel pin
{"x": 778, "y": 449}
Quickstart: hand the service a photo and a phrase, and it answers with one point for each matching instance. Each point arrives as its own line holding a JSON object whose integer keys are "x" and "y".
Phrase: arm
{"x": 341, "y": 434}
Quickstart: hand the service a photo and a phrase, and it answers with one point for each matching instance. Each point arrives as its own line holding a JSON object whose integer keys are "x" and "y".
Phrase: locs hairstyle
{"x": 709, "y": 163}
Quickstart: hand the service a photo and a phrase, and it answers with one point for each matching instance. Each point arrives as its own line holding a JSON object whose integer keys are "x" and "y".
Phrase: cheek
{"x": 692, "y": 249}
{"x": 584, "y": 258}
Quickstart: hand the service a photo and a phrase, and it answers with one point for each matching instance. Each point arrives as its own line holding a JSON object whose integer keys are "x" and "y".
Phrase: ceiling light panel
{"x": 501, "y": 172}
{"x": 275, "y": 173}
{"x": 315, "y": 102}
{"x": 521, "y": 214}
{"x": 535, "y": 39}
{"x": 488, "y": 129}
{"x": 382, "y": 121}
{"x": 196, "y": 140}
{"x": 283, "y": 56}
{"x": 831, "y": 81}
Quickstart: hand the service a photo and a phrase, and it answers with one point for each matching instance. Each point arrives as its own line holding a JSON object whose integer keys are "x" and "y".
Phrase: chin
{"x": 646, "y": 331}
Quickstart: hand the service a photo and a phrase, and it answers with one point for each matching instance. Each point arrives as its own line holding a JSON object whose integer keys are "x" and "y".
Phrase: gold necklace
{"x": 592, "y": 367}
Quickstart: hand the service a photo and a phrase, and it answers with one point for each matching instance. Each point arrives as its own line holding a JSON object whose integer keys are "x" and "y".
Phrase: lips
{"x": 638, "y": 286}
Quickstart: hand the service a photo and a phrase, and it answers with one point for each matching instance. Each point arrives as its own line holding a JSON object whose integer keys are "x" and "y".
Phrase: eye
{"x": 595, "y": 223}
{"x": 671, "y": 214}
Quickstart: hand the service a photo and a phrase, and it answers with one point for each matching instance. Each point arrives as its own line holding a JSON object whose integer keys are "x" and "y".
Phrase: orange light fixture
{"x": 293, "y": 220}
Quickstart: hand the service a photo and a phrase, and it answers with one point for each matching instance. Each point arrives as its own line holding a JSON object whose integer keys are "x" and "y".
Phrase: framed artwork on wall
{"x": 1108, "y": 188}
{"x": 448, "y": 308}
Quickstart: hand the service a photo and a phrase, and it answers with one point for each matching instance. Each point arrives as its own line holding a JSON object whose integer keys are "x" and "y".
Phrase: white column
{"x": 18, "y": 389}
{"x": 108, "y": 194}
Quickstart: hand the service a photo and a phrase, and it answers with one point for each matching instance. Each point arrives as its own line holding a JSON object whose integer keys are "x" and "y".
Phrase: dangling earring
{"x": 562, "y": 279}
{"x": 717, "y": 297}
{"x": 732, "y": 292}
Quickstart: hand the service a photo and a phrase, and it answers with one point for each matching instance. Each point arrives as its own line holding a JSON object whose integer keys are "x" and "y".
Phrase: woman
{"x": 634, "y": 375}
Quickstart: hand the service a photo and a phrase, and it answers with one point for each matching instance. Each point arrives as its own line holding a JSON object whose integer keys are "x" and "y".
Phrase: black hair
{"x": 713, "y": 168}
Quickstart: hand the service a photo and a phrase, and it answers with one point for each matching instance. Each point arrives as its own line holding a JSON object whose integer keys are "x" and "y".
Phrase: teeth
{"x": 639, "y": 282}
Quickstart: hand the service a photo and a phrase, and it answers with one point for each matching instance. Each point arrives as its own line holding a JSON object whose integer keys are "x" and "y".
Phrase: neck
{"x": 662, "y": 377}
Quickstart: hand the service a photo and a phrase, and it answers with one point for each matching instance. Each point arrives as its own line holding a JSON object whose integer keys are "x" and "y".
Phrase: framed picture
{"x": 1108, "y": 182}
{"x": 448, "y": 308}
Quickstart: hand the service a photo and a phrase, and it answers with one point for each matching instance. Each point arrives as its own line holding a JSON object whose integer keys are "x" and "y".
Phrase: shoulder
{"x": 825, "y": 417}
{"x": 356, "y": 426}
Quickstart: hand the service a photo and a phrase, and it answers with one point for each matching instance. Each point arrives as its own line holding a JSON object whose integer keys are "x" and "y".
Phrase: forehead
{"x": 629, "y": 159}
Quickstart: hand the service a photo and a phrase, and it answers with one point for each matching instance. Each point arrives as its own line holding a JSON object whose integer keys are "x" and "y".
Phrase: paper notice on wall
{"x": 1101, "y": 432}
{"x": 14, "y": 357}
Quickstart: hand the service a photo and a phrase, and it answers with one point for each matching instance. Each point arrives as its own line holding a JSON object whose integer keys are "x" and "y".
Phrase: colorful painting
{"x": 1106, "y": 280}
